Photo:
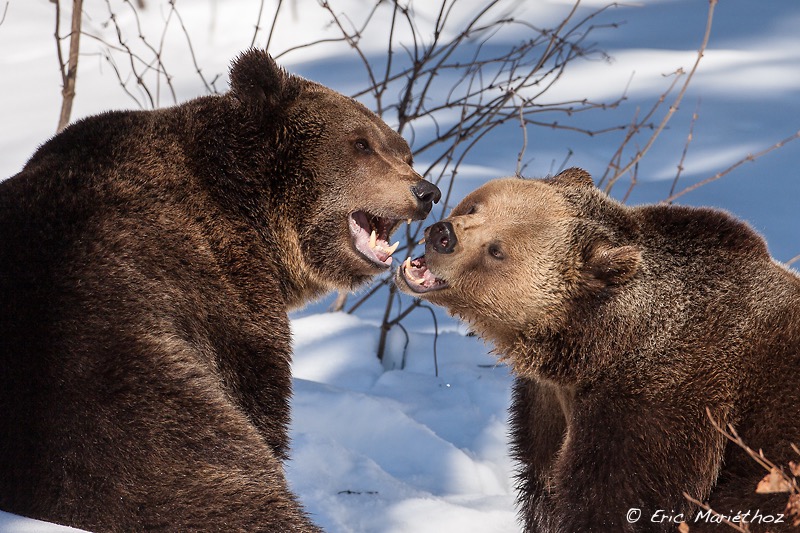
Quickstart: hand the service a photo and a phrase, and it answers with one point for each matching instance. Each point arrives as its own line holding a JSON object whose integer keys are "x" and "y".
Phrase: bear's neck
{"x": 239, "y": 160}
{"x": 298, "y": 283}
{"x": 579, "y": 340}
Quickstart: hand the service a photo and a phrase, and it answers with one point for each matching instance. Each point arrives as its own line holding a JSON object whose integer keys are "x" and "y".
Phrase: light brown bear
{"x": 623, "y": 325}
{"x": 147, "y": 263}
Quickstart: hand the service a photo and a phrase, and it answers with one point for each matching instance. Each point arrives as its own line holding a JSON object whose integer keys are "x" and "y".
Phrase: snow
{"x": 398, "y": 450}
{"x": 394, "y": 446}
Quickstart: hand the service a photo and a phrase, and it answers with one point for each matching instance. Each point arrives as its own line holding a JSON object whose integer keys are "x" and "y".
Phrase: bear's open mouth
{"x": 371, "y": 237}
{"x": 418, "y": 278}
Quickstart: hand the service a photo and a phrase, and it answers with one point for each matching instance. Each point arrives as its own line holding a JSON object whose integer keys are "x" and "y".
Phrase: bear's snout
{"x": 442, "y": 237}
{"x": 426, "y": 194}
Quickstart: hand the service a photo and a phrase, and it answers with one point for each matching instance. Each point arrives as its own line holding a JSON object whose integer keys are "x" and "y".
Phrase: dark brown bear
{"x": 623, "y": 326}
{"x": 147, "y": 263}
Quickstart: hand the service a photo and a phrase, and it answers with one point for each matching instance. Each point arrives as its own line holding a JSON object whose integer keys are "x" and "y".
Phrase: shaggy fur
{"x": 624, "y": 325}
{"x": 147, "y": 263}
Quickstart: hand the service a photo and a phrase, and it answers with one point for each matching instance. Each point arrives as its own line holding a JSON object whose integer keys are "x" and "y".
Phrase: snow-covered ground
{"x": 394, "y": 447}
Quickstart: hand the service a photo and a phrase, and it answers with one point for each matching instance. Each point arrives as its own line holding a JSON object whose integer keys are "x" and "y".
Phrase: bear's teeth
{"x": 409, "y": 221}
{"x": 421, "y": 241}
{"x": 409, "y": 270}
{"x": 373, "y": 239}
{"x": 390, "y": 250}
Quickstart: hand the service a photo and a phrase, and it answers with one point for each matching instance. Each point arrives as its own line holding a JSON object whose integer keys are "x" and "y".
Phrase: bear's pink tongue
{"x": 366, "y": 240}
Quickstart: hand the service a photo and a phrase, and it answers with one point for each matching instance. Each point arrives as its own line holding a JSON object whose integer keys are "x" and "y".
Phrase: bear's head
{"x": 519, "y": 257}
{"x": 338, "y": 180}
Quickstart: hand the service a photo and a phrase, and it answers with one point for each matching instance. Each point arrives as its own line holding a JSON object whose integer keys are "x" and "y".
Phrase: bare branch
{"x": 59, "y": 54}
{"x": 191, "y": 48}
{"x": 672, "y": 108}
{"x": 258, "y": 23}
{"x": 339, "y": 303}
{"x": 689, "y": 139}
{"x": 69, "y": 80}
{"x": 456, "y": 102}
{"x": 274, "y": 23}
{"x": 721, "y": 517}
{"x": 385, "y": 324}
{"x": 718, "y": 175}
{"x": 353, "y": 38}
{"x": 132, "y": 59}
{"x": 521, "y": 154}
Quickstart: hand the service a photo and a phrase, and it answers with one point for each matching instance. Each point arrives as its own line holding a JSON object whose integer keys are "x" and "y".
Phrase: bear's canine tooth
{"x": 421, "y": 241}
{"x": 409, "y": 221}
{"x": 407, "y": 269}
{"x": 390, "y": 250}
{"x": 373, "y": 239}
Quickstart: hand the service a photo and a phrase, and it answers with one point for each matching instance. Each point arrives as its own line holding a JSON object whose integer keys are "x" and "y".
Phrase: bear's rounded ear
{"x": 257, "y": 80}
{"x": 574, "y": 176}
{"x": 613, "y": 265}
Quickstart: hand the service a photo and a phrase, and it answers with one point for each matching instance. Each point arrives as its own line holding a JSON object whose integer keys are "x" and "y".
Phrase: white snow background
{"x": 377, "y": 448}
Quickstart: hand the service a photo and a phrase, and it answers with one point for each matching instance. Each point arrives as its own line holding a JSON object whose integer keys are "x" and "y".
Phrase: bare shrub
{"x": 447, "y": 101}
{"x": 446, "y": 77}
{"x": 778, "y": 479}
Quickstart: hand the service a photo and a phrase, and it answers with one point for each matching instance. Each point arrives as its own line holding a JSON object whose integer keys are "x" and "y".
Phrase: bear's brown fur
{"x": 147, "y": 263}
{"x": 623, "y": 326}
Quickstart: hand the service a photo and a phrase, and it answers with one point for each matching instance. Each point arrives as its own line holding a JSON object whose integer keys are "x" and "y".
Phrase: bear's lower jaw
{"x": 370, "y": 235}
{"x": 415, "y": 275}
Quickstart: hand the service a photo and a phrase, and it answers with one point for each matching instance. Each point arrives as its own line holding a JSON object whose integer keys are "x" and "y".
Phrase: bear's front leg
{"x": 627, "y": 461}
{"x": 538, "y": 426}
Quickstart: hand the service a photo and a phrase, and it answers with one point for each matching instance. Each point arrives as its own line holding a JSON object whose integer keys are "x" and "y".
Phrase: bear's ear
{"x": 257, "y": 80}
{"x": 613, "y": 265}
{"x": 576, "y": 177}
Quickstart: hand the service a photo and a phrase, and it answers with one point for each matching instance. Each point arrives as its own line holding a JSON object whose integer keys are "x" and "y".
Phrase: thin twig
{"x": 5, "y": 11}
{"x": 689, "y": 140}
{"x": 59, "y": 54}
{"x": 258, "y": 22}
{"x": 718, "y": 175}
{"x": 461, "y": 100}
{"x": 524, "y": 141}
{"x": 159, "y": 54}
{"x": 132, "y": 59}
{"x": 339, "y": 303}
{"x": 632, "y": 184}
{"x": 191, "y": 48}
{"x": 675, "y": 104}
{"x": 160, "y": 68}
{"x": 563, "y": 164}
{"x": 723, "y": 518}
{"x": 376, "y": 286}
{"x": 272, "y": 26}
{"x": 732, "y": 435}
{"x": 435, "y": 339}
{"x": 385, "y": 323}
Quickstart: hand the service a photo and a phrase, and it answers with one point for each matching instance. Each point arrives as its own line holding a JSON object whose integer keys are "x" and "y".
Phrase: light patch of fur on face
{"x": 526, "y": 223}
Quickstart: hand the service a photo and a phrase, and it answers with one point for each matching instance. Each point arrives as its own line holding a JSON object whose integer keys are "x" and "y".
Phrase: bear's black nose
{"x": 426, "y": 192}
{"x": 442, "y": 237}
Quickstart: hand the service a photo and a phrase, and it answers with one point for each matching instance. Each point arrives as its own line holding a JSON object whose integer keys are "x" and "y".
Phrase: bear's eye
{"x": 363, "y": 146}
{"x": 496, "y": 252}
{"x": 472, "y": 209}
